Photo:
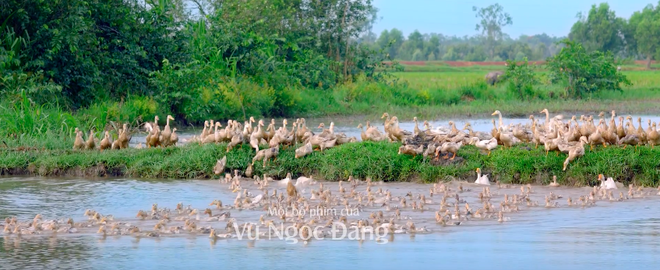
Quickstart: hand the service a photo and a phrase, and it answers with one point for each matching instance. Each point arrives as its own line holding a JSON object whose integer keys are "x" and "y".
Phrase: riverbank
{"x": 380, "y": 161}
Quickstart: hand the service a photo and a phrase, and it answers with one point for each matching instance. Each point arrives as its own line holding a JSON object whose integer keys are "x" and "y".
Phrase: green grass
{"x": 439, "y": 67}
{"x": 464, "y": 93}
{"x": 380, "y": 161}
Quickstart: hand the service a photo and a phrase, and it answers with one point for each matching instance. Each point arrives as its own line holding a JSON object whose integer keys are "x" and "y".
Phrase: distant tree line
{"x": 439, "y": 47}
{"x": 637, "y": 37}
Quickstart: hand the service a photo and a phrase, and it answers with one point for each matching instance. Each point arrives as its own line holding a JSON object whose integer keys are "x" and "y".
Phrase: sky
{"x": 455, "y": 17}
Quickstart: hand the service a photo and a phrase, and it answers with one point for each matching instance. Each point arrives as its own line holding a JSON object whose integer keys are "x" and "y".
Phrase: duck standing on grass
{"x": 106, "y": 143}
{"x": 90, "y": 143}
{"x": 78, "y": 143}
{"x": 487, "y": 145}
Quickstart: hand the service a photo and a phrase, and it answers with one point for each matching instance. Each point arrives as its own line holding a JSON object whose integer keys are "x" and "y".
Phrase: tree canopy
{"x": 99, "y": 50}
{"x": 584, "y": 72}
{"x": 645, "y": 27}
{"x": 493, "y": 18}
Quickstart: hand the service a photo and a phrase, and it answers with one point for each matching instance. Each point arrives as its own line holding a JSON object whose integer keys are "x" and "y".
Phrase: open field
{"x": 462, "y": 92}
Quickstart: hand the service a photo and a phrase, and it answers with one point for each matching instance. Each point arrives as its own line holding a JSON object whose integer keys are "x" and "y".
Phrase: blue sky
{"x": 455, "y": 17}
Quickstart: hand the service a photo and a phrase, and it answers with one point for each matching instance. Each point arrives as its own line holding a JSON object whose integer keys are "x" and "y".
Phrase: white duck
{"x": 481, "y": 179}
{"x": 607, "y": 184}
{"x": 487, "y": 145}
{"x": 284, "y": 182}
{"x": 554, "y": 182}
{"x": 304, "y": 181}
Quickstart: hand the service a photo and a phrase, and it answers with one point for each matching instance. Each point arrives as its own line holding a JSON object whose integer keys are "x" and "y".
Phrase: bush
{"x": 521, "y": 79}
{"x": 584, "y": 72}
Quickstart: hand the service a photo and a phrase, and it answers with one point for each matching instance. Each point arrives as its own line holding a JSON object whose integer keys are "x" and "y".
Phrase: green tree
{"x": 646, "y": 26}
{"x": 477, "y": 54}
{"x": 599, "y": 30}
{"x": 521, "y": 78}
{"x": 383, "y": 40}
{"x": 416, "y": 40}
{"x": 97, "y": 49}
{"x": 396, "y": 36}
{"x": 493, "y": 19}
{"x": 540, "y": 52}
{"x": 418, "y": 55}
{"x": 432, "y": 57}
{"x": 433, "y": 45}
{"x": 584, "y": 72}
{"x": 450, "y": 55}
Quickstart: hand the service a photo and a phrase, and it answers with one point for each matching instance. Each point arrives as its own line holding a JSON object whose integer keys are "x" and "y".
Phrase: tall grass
{"x": 29, "y": 124}
{"x": 380, "y": 161}
{"x": 24, "y": 118}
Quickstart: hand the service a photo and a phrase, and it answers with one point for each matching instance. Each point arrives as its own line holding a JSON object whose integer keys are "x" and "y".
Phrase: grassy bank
{"x": 380, "y": 161}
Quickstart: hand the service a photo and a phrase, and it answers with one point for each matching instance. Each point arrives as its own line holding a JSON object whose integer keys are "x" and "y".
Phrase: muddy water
{"x": 349, "y": 125}
{"x": 611, "y": 234}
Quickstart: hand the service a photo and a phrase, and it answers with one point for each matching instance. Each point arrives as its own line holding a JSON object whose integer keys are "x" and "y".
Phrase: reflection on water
{"x": 622, "y": 235}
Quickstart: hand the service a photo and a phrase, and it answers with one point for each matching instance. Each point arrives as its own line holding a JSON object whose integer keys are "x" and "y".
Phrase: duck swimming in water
{"x": 606, "y": 184}
{"x": 554, "y": 182}
{"x": 481, "y": 179}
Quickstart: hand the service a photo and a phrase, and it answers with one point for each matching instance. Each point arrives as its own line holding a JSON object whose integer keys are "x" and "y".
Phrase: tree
{"x": 600, "y": 30}
{"x": 433, "y": 45}
{"x": 540, "y": 52}
{"x": 383, "y": 40}
{"x": 521, "y": 78}
{"x": 493, "y": 19}
{"x": 418, "y": 56}
{"x": 396, "y": 37}
{"x": 646, "y": 25}
{"x": 584, "y": 72}
{"x": 450, "y": 55}
{"x": 416, "y": 40}
{"x": 96, "y": 49}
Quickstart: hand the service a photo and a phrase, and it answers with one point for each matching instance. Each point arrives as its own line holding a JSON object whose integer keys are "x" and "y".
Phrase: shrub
{"x": 584, "y": 72}
{"x": 521, "y": 79}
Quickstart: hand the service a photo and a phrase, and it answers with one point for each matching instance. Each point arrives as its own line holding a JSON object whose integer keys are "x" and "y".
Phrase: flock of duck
{"x": 155, "y": 137}
{"x": 396, "y": 211}
{"x": 389, "y": 208}
{"x": 554, "y": 134}
{"x": 262, "y": 203}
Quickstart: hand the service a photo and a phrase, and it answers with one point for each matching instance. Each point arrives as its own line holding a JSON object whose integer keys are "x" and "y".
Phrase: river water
{"x": 609, "y": 235}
